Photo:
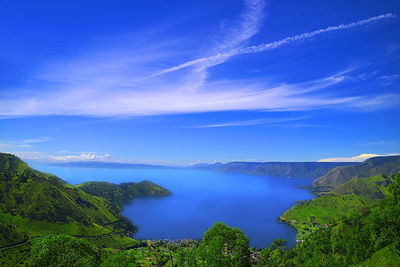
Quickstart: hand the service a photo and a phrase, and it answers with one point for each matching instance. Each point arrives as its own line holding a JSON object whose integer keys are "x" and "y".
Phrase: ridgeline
{"x": 276, "y": 169}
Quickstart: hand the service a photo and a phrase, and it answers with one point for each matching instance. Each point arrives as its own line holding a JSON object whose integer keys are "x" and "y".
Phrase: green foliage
{"x": 275, "y": 254}
{"x": 186, "y": 255}
{"x": 10, "y": 234}
{"x": 385, "y": 257}
{"x": 121, "y": 259}
{"x": 64, "y": 250}
{"x": 225, "y": 246}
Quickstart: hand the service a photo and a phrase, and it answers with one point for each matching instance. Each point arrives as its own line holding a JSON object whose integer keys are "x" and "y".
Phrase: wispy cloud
{"x": 251, "y": 122}
{"x": 26, "y": 144}
{"x": 359, "y": 158}
{"x": 36, "y": 156}
{"x": 390, "y": 79}
{"x": 6, "y": 146}
{"x": 36, "y": 140}
{"x": 116, "y": 83}
{"x": 222, "y": 57}
{"x": 43, "y": 157}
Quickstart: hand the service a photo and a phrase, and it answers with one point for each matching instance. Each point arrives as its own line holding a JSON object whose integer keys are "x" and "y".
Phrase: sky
{"x": 183, "y": 82}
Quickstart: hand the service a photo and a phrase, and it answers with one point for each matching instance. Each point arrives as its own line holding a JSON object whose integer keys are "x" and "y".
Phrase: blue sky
{"x": 179, "y": 82}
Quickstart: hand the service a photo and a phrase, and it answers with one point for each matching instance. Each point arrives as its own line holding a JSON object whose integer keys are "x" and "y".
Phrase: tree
{"x": 274, "y": 255}
{"x": 225, "y": 246}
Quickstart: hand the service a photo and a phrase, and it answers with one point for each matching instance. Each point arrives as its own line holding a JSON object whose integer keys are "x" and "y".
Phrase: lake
{"x": 200, "y": 198}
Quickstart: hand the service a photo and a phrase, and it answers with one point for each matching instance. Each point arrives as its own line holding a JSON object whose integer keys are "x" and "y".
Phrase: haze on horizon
{"x": 172, "y": 82}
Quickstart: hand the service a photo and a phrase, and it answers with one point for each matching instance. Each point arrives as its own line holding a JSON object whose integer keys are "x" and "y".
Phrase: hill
{"x": 33, "y": 203}
{"x": 277, "y": 169}
{"x": 374, "y": 166}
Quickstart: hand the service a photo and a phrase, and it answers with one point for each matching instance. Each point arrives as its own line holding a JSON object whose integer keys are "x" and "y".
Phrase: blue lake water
{"x": 201, "y": 198}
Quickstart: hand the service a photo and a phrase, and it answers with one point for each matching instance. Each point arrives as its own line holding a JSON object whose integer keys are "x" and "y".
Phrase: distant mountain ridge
{"x": 102, "y": 164}
{"x": 277, "y": 169}
{"x": 389, "y": 165}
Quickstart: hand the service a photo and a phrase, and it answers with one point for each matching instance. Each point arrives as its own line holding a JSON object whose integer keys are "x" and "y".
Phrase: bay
{"x": 199, "y": 199}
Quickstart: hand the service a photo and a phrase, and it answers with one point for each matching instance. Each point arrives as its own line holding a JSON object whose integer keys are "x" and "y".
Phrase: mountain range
{"x": 276, "y": 169}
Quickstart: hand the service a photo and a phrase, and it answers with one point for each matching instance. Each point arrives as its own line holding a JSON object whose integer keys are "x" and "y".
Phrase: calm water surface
{"x": 201, "y": 198}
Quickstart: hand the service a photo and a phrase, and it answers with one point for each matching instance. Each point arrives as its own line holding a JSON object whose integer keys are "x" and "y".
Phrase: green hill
{"x": 374, "y": 166}
{"x": 33, "y": 203}
{"x": 277, "y": 169}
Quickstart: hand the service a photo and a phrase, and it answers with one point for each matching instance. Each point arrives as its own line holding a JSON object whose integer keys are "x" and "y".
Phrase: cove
{"x": 200, "y": 198}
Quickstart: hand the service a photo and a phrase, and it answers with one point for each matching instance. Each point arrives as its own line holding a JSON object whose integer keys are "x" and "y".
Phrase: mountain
{"x": 33, "y": 203}
{"x": 277, "y": 169}
{"x": 117, "y": 165}
{"x": 374, "y": 166}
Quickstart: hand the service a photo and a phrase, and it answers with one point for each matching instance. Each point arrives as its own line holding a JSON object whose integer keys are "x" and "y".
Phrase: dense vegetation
{"x": 374, "y": 166}
{"x": 276, "y": 169}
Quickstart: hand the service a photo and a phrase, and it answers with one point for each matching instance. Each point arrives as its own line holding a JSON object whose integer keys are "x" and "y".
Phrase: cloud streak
{"x": 251, "y": 122}
{"x": 112, "y": 83}
{"x": 222, "y": 57}
{"x": 43, "y": 157}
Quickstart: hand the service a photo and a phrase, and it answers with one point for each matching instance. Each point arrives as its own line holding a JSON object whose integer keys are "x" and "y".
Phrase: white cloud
{"x": 222, "y": 57}
{"x": 359, "y": 158}
{"x": 39, "y": 156}
{"x": 250, "y": 122}
{"x": 390, "y": 79}
{"x": 112, "y": 82}
{"x": 36, "y": 140}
